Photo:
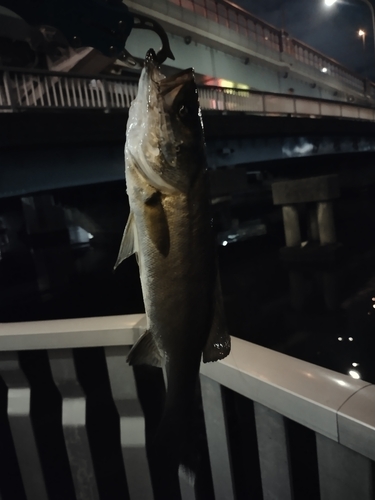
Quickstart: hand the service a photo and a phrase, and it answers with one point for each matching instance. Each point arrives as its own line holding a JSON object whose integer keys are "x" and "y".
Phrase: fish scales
{"x": 169, "y": 230}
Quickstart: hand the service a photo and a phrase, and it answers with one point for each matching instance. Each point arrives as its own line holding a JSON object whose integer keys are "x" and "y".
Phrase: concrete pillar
{"x": 291, "y": 226}
{"x": 313, "y": 227}
{"x": 326, "y": 224}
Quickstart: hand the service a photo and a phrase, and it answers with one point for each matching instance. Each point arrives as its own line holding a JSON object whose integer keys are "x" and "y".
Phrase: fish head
{"x": 165, "y": 130}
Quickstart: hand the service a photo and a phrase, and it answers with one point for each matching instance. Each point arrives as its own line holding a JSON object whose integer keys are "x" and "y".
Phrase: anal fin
{"x": 145, "y": 352}
{"x": 218, "y": 342}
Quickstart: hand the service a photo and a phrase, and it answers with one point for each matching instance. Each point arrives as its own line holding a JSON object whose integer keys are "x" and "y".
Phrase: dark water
{"x": 321, "y": 312}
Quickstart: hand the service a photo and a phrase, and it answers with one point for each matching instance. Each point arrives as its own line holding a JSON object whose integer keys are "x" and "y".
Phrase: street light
{"x": 329, "y": 3}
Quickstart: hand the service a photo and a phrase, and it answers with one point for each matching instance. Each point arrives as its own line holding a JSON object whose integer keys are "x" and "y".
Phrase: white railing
{"x": 262, "y": 103}
{"x": 52, "y": 90}
{"x": 21, "y": 90}
{"x": 336, "y": 410}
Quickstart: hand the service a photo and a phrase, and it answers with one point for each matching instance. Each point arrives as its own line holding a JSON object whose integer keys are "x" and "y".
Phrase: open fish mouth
{"x": 166, "y": 83}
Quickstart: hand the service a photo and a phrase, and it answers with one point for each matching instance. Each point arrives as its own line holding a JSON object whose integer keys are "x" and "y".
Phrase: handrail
{"x": 270, "y": 26}
{"x": 21, "y": 90}
{"x": 316, "y": 397}
{"x": 86, "y": 76}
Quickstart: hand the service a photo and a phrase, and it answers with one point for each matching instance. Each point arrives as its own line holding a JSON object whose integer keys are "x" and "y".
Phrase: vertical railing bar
{"x": 66, "y": 85}
{"x": 104, "y": 93}
{"x": 74, "y": 423}
{"x": 18, "y": 89}
{"x": 19, "y": 401}
{"x": 132, "y": 424}
{"x": 33, "y": 90}
{"x": 86, "y": 82}
{"x": 2, "y": 92}
{"x": 343, "y": 473}
{"x": 217, "y": 439}
{"x": 79, "y": 85}
{"x": 122, "y": 98}
{"x": 73, "y": 87}
{"x": 53, "y": 87}
{"x": 41, "y": 90}
{"x": 61, "y": 92}
{"x": 47, "y": 88}
{"x": 92, "y": 94}
{"x": 97, "y": 94}
{"x": 273, "y": 448}
{"x": 111, "y": 86}
{"x": 26, "y": 91}
{"x": 8, "y": 89}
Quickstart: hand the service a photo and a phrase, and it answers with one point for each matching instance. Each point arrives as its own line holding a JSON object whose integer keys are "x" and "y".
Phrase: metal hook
{"x": 145, "y": 23}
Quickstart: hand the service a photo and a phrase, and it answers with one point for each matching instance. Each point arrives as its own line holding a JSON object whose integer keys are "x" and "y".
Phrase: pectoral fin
{"x": 129, "y": 242}
{"x": 157, "y": 223}
{"x": 218, "y": 343}
{"x": 145, "y": 352}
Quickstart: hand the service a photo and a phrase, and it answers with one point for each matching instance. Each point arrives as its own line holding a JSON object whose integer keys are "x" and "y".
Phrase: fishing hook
{"x": 145, "y": 23}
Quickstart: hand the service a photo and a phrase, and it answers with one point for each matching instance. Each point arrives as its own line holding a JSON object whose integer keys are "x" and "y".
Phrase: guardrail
{"x": 72, "y": 426}
{"x": 243, "y": 22}
{"x": 21, "y": 90}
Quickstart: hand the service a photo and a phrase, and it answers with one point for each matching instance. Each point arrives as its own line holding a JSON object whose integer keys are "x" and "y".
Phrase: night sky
{"x": 331, "y": 30}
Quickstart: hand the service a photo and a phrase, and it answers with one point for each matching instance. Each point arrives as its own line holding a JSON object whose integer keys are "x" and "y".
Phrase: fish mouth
{"x": 166, "y": 83}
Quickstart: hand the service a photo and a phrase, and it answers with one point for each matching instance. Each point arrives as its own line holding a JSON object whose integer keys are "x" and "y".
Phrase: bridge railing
{"x": 20, "y": 90}
{"x": 240, "y": 21}
{"x": 72, "y": 425}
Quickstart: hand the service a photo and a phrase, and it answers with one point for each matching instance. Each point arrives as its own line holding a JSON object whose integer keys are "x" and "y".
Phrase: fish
{"x": 170, "y": 230}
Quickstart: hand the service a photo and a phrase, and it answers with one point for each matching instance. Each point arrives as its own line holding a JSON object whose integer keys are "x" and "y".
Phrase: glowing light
{"x": 329, "y": 3}
{"x": 361, "y": 33}
{"x": 221, "y": 82}
{"x": 350, "y": 339}
{"x": 373, "y": 306}
{"x": 341, "y": 382}
{"x": 324, "y": 70}
{"x": 225, "y": 243}
{"x": 355, "y": 364}
{"x": 373, "y": 299}
{"x": 354, "y": 374}
{"x": 339, "y": 339}
{"x": 90, "y": 236}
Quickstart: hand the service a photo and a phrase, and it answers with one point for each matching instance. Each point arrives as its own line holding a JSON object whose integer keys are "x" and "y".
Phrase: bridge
{"x": 241, "y": 126}
{"x": 264, "y": 96}
{"x": 224, "y": 42}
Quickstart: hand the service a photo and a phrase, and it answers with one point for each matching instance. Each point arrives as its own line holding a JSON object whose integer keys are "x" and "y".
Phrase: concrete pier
{"x": 318, "y": 194}
{"x": 291, "y": 226}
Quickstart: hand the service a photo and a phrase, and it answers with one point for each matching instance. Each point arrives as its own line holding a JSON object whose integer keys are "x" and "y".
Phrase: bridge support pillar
{"x": 314, "y": 197}
{"x": 326, "y": 223}
{"x": 315, "y": 192}
{"x": 291, "y": 226}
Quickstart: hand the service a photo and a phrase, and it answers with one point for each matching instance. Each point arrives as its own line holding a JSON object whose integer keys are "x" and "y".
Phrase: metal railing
{"x": 71, "y": 423}
{"x": 20, "y": 90}
{"x": 244, "y": 23}
{"x": 42, "y": 89}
